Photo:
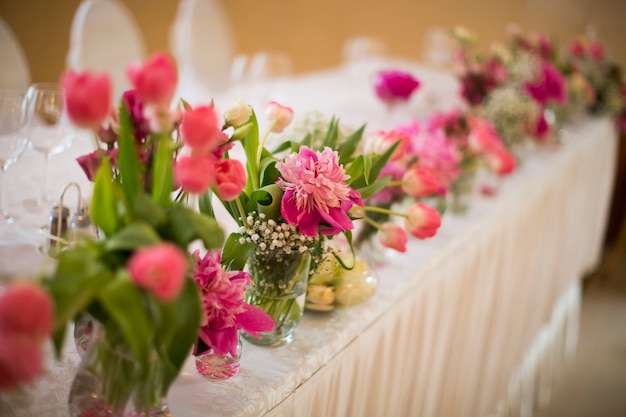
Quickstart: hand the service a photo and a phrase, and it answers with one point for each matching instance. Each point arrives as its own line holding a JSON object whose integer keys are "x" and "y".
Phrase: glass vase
{"x": 86, "y": 330}
{"x": 110, "y": 382}
{"x": 214, "y": 365}
{"x": 462, "y": 191}
{"x": 279, "y": 281}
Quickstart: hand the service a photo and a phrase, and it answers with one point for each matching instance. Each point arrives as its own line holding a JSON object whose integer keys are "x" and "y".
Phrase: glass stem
{"x": 44, "y": 196}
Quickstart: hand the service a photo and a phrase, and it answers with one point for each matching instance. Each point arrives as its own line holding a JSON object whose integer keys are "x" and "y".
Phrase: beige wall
{"x": 312, "y": 31}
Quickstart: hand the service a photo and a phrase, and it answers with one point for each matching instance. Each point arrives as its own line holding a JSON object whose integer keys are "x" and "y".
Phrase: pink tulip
{"x": 500, "y": 162}
{"x": 87, "y": 98}
{"x": 25, "y": 308}
{"x": 155, "y": 80}
{"x": 21, "y": 360}
{"x": 201, "y": 129}
{"x": 419, "y": 182}
{"x": 230, "y": 178}
{"x": 393, "y": 236}
{"x": 381, "y": 141}
{"x": 194, "y": 174}
{"x": 160, "y": 269}
{"x": 422, "y": 221}
{"x": 90, "y": 163}
{"x": 279, "y": 115}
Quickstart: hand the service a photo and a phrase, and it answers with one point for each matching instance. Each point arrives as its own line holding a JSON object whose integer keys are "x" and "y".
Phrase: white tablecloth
{"x": 470, "y": 323}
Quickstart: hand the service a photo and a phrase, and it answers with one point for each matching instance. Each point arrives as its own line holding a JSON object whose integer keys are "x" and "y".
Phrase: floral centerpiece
{"x": 137, "y": 280}
{"x": 294, "y": 200}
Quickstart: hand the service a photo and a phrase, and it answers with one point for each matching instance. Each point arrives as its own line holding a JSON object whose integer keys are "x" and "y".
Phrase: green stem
{"x": 372, "y": 222}
{"x": 242, "y": 211}
{"x": 262, "y": 144}
{"x": 380, "y": 210}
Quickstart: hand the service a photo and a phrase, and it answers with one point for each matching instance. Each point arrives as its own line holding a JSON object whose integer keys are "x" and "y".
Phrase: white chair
{"x": 201, "y": 41}
{"x": 105, "y": 38}
{"x": 14, "y": 71}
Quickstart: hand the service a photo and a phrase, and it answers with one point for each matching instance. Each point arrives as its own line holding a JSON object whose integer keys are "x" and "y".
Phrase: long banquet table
{"x": 474, "y": 322}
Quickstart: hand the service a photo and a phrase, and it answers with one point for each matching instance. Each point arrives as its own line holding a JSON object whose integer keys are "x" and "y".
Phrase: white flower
{"x": 238, "y": 113}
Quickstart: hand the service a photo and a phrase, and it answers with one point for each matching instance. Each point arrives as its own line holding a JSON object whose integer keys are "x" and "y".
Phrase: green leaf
{"x": 376, "y": 186}
{"x": 332, "y": 134}
{"x": 349, "y": 146}
{"x": 162, "y": 183}
{"x": 356, "y": 169}
{"x": 205, "y": 204}
{"x": 235, "y": 254}
{"x": 177, "y": 329}
{"x": 266, "y": 200}
{"x": 268, "y": 172}
{"x": 184, "y": 225}
{"x": 128, "y": 160}
{"x": 132, "y": 237}
{"x": 103, "y": 209}
{"x": 250, "y": 146}
{"x": 147, "y": 210}
{"x": 125, "y": 304}
{"x": 78, "y": 277}
{"x": 379, "y": 163}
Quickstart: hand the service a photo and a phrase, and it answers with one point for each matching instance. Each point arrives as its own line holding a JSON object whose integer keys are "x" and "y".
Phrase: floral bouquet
{"x": 136, "y": 281}
{"x": 291, "y": 202}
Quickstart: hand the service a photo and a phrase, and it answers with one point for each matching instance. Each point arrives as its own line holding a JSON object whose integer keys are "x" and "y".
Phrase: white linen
{"x": 462, "y": 325}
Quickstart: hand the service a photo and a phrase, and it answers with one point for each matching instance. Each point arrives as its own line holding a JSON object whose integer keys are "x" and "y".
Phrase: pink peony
{"x": 224, "y": 309}
{"x": 230, "y": 178}
{"x": 395, "y": 86}
{"x": 194, "y": 174}
{"x": 422, "y": 221}
{"x": 201, "y": 129}
{"x": 279, "y": 115}
{"x": 419, "y": 182}
{"x": 21, "y": 360}
{"x": 87, "y": 98}
{"x": 440, "y": 156}
{"x": 25, "y": 308}
{"x": 541, "y": 128}
{"x": 393, "y": 236}
{"x": 155, "y": 80}
{"x": 315, "y": 192}
{"x": 160, "y": 269}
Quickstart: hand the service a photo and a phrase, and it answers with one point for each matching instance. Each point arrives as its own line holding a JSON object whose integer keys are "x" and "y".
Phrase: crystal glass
{"x": 12, "y": 139}
{"x": 49, "y": 131}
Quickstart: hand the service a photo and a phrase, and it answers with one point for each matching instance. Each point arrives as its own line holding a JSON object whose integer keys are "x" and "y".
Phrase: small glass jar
{"x": 212, "y": 365}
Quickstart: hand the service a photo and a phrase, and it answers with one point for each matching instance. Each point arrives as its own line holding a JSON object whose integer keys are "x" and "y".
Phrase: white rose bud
{"x": 238, "y": 113}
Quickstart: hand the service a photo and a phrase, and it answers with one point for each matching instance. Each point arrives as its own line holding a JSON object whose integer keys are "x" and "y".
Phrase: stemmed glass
{"x": 49, "y": 131}
{"x": 12, "y": 139}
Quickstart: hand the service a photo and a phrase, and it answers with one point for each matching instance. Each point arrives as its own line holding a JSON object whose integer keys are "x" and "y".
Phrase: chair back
{"x": 14, "y": 70}
{"x": 104, "y": 37}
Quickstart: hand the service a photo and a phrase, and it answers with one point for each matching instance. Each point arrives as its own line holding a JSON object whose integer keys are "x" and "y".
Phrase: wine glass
{"x": 13, "y": 141}
{"x": 49, "y": 131}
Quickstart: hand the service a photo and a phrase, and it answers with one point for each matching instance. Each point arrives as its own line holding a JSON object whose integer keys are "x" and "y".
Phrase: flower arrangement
{"x": 294, "y": 200}
{"x": 137, "y": 280}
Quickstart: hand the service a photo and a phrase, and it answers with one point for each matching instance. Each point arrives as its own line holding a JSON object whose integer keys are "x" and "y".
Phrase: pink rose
{"x": 21, "y": 360}
{"x": 201, "y": 129}
{"x": 155, "y": 80}
{"x": 230, "y": 178}
{"x": 279, "y": 115}
{"x": 393, "y": 236}
{"x": 419, "y": 182}
{"x": 87, "y": 98}
{"x": 422, "y": 221}
{"x": 194, "y": 174}
{"x": 25, "y": 308}
{"x": 160, "y": 269}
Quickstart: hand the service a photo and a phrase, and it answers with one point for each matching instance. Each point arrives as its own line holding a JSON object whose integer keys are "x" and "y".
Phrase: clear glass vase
{"x": 279, "y": 282}
{"x": 86, "y": 330}
{"x": 214, "y": 365}
{"x": 462, "y": 192}
{"x": 110, "y": 382}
